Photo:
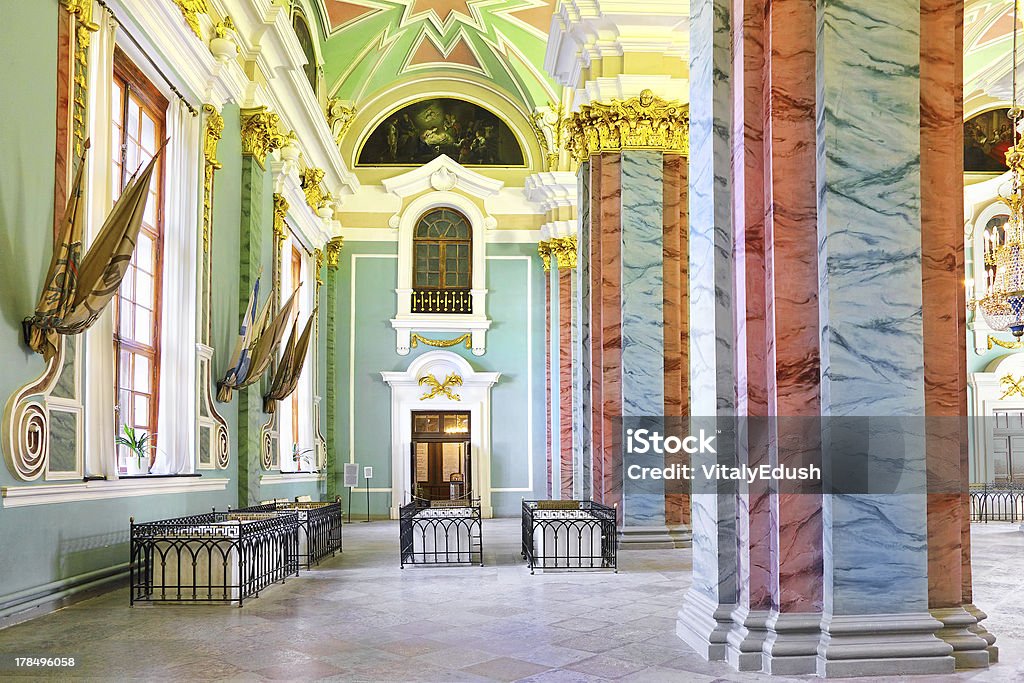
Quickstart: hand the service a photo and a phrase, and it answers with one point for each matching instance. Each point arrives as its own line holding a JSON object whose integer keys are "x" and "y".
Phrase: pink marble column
{"x": 547, "y": 378}
{"x": 608, "y": 231}
{"x": 676, "y": 314}
{"x": 65, "y": 69}
{"x": 565, "y": 386}
{"x": 596, "y": 332}
{"x": 792, "y": 282}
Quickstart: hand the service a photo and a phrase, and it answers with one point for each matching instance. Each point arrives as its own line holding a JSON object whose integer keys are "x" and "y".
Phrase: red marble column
{"x": 791, "y": 258}
{"x": 607, "y": 229}
{"x": 596, "y": 333}
{"x": 65, "y": 69}
{"x": 565, "y": 386}
{"x": 676, "y": 314}
{"x": 547, "y": 377}
{"x": 754, "y": 525}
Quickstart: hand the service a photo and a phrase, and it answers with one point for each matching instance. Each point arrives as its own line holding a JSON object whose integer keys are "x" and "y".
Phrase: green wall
{"x": 509, "y": 350}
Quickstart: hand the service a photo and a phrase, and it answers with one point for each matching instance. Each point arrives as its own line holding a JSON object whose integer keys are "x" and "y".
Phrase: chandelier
{"x": 1003, "y": 300}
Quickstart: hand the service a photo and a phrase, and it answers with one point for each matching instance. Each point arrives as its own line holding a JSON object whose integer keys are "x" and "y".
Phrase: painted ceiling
{"x": 988, "y": 44}
{"x": 371, "y": 44}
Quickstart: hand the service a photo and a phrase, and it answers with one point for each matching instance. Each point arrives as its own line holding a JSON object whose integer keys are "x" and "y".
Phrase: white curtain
{"x": 176, "y": 427}
{"x": 98, "y": 358}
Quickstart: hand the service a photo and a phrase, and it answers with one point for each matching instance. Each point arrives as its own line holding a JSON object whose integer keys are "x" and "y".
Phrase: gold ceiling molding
{"x": 312, "y": 187}
{"x": 261, "y": 134}
{"x": 191, "y": 9}
{"x": 644, "y": 122}
{"x": 213, "y": 129}
{"x": 334, "y": 251}
{"x": 280, "y": 212}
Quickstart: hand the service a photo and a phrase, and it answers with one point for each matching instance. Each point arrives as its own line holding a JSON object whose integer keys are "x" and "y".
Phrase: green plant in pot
{"x": 138, "y": 445}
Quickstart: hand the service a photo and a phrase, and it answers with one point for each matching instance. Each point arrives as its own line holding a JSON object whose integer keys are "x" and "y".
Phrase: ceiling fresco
{"x": 371, "y": 44}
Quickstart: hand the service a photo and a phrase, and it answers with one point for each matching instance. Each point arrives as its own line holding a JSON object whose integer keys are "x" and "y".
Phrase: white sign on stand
{"x": 351, "y": 481}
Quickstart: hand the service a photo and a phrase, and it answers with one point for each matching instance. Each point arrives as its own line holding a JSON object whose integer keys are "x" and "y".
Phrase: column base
{"x": 882, "y": 645}
{"x": 969, "y": 649}
{"x": 645, "y": 538}
{"x": 791, "y": 645}
{"x": 681, "y": 535}
{"x": 704, "y": 625}
{"x": 745, "y": 639}
{"x": 982, "y": 632}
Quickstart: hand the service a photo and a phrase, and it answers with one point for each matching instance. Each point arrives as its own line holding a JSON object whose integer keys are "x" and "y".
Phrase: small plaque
{"x": 351, "y": 474}
{"x": 367, "y": 473}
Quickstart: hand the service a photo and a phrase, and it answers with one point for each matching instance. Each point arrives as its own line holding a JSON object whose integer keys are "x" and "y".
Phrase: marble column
{"x": 704, "y": 620}
{"x": 565, "y": 257}
{"x": 582, "y": 415}
{"x": 550, "y": 351}
{"x": 333, "y": 258}
{"x": 255, "y": 227}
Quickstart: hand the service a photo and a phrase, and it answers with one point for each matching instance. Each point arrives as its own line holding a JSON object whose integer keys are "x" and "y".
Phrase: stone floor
{"x": 359, "y": 617}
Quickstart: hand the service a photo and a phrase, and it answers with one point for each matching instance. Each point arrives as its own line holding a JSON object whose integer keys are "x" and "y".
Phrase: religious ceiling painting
{"x": 372, "y": 44}
{"x": 987, "y": 137}
{"x": 422, "y": 131}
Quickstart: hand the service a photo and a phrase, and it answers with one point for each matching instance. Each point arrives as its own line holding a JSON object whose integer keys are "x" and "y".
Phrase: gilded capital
{"x": 544, "y": 250}
{"x": 644, "y": 122}
{"x": 191, "y": 9}
{"x": 214, "y": 128}
{"x": 316, "y": 196}
{"x": 260, "y": 134}
{"x": 334, "y": 251}
{"x": 564, "y": 250}
{"x": 280, "y": 212}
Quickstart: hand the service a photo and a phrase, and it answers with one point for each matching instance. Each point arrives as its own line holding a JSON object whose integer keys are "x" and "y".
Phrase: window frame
{"x": 443, "y": 243}
{"x": 132, "y": 82}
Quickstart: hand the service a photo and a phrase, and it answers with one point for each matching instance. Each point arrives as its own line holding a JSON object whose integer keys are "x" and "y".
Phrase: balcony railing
{"x": 442, "y": 301}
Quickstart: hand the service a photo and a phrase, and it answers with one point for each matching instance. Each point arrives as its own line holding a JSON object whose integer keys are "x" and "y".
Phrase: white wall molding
{"x": 474, "y": 396}
{"x": 442, "y": 174}
{"x": 585, "y": 30}
{"x": 296, "y": 478}
{"x": 23, "y": 496}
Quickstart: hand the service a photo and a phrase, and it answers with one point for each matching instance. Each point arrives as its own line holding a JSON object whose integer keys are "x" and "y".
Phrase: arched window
{"x": 302, "y": 32}
{"x": 442, "y": 272}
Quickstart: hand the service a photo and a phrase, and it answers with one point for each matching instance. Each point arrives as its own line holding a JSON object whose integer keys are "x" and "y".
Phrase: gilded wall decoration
{"x": 1011, "y": 386}
{"x": 312, "y": 187}
{"x": 339, "y": 118}
{"x": 261, "y": 134}
{"x": 441, "y": 388}
{"x": 191, "y": 9}
{"x": 333, "y": 252}
{"x": 466, "y": 339}
{"x": 644, "y": 122}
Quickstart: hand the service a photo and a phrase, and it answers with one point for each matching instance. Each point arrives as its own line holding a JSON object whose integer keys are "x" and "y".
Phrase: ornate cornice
{"x": 191, "y": 9}
{"x": 280, "y": 212}
{"x": 260, "y": 134}
{"x": 334, "y": 251}
{"x": 644, "y": 122}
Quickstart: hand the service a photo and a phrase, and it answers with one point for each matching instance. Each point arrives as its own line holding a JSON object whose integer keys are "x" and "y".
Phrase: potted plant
{"x": 137, "y": 461}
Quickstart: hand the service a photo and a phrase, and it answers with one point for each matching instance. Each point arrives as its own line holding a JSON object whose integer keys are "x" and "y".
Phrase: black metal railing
{"x": 992, "y": 502}
{"x": 319, "y": 527}
{"x": 212, "y": 557}
{"x": 569, "y": 534}
{"x": 442, "y": 301}
{"x": 440, "y": 532}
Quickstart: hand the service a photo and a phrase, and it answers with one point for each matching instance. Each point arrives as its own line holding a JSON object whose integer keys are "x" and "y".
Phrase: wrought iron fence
{"x": 993, "y": 502}
{"x": 441, "y": 532}
{"x": 212, "y": 557}
{"x": 319, "y": 527}
{"x": 569, "y": 534}
{"x": 442, "y": 301}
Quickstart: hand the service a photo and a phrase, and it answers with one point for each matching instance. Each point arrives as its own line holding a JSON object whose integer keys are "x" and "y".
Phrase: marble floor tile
{"x": 359, "y": 617}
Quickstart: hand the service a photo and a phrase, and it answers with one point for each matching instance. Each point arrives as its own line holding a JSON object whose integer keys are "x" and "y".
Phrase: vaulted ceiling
{"x": 371, "y": 44}
{"x": 988, "y": 44}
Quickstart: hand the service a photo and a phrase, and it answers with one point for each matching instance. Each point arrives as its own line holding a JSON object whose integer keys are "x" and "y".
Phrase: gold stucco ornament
{"x": 441, "y": 388}
{"x": 644, "y": 122}
{"x": 261, "y": 134}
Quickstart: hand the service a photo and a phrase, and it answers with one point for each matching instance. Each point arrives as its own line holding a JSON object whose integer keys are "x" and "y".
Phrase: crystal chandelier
{"x": 1003, "y": 300}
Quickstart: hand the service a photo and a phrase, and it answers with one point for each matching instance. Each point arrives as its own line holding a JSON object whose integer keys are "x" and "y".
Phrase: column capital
{"x": 334, "y": 252}
{"x": 261, "y": 134}
{"x": 643, "y": 122}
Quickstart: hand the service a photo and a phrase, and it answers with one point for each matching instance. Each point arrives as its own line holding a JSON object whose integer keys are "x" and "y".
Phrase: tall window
{"x": 442, "y": 263}
{"x": 294, "y": 402}
{"x": 302, "y": 32}
{"x": 138, "y": 125}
